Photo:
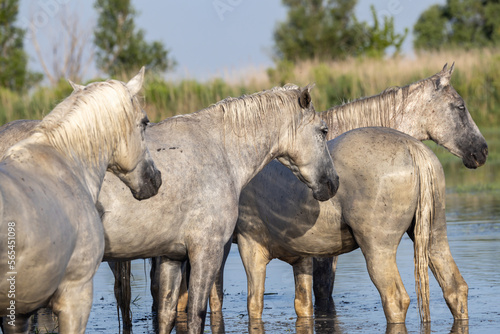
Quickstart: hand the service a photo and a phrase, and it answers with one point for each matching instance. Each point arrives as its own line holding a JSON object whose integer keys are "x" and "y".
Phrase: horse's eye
{"x": 324, "y": 131}
{"x": 145, "y": 122}
{"x": 461, "y": 107}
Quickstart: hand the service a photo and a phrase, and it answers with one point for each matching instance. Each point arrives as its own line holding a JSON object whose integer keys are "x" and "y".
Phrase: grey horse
{"x": 52, "y": 236}
{"x": 427, "y": 109}
{"x": 206, "y": 158}
{"x": 390, "y": 184}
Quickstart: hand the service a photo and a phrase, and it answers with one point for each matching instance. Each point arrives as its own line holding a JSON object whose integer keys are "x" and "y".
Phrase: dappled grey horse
{"x": 391, "y": 183}
{"x": 53, "y": 240}
{"x": 206, "y": 158}
{"x": 427, "y": 109}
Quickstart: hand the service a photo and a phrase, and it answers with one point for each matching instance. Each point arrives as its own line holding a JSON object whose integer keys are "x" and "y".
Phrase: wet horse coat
{"x": 427, "y": 109}
{"x": 390, "y": 184}
{"x": 205, "y": 159}
{"x": 49, "y": 184}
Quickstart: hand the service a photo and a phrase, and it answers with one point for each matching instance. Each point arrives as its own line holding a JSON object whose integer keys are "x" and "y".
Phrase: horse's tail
{"x": 122, "y": 289}
{"x": 424, "y": 218}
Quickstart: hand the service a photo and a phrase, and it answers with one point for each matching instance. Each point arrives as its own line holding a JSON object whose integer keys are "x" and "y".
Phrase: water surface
{"x": 474, "y": 237}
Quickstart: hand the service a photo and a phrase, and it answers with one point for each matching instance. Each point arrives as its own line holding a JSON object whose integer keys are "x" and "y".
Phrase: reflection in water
{"x": 467, "y": 207}
{"x": 460, "y": 327}
{"x": 217, "y": 323}
{"x": 320, "y": 324}
{"x": 399, "y": 329}
{"x": 44, "y": 321}
{"x": 181, "y": 322}
{"x": 256, "y": 326}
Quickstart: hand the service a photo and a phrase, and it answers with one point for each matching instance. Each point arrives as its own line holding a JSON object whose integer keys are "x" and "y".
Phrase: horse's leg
{"x": 170, "y": 274}
{"x": 323, "y": 280}
{"x": 217, "y": 292}
{"x": 205, "y": 262}
{"x": 21, "y": 324}
{"x": 378, "y": 237}
{"x": 455, "y": 289}
{"x": 381, "y": 264}
{"x": 72, "y": 303}
{"x": 444, "y": 268}
{"x": 155, "y": 282}
{"x": 183, "y": 294}
{"x": 121, "y": 271}
{"x": 255, "y": 259}
{"x": 302, "y": 272}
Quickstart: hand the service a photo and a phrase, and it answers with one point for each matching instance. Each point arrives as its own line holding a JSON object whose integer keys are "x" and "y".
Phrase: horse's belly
{"x": 316, "y": 231}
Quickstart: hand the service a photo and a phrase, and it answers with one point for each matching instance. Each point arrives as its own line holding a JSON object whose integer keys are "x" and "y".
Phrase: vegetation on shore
{"x": 476, "y": 78}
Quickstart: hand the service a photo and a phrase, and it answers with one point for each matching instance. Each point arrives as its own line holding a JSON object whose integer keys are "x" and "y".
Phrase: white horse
{"x": 391, "y": 184}
{"x": 427, "y": 109}
{"x": 206, "y": 158}
{"x": 52, "y": 239}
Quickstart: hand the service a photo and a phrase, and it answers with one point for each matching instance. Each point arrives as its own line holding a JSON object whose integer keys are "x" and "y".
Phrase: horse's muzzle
{"x": 327, "y": 188}
{"x": 151, "y": 183}
{"x": 476, "y": 159}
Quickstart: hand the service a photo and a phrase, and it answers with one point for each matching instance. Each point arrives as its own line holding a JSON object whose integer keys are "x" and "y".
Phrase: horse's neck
{"x": 246, "y": 153}
{"x": 388, "y": 109}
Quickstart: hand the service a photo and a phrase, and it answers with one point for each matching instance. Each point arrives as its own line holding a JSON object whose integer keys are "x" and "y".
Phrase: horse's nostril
{"x": 485, "y": 151}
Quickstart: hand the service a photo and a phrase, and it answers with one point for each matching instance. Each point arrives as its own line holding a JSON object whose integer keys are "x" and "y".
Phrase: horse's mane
{"x": 245, "y": 114}
{"x": 90, "y": 122}
{"x": 377, "y": 110}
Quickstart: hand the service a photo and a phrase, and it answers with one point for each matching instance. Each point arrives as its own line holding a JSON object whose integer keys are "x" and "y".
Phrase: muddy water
{"x": 474, "y": 236}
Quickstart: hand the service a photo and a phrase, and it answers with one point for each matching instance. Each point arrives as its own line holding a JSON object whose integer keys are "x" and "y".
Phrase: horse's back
{"x": 382, "y": 150}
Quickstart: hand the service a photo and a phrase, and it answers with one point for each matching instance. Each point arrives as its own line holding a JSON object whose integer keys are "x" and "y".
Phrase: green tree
{"x": 376, "y": 39}
{"x": 458, "y": 24}
{"x": 14, "y": 74}
{"x": 329, "y": 29}
{"x": 121, "y": 47}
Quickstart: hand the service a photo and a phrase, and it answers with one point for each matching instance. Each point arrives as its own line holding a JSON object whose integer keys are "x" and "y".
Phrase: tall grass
{"x": 476, "y": 78}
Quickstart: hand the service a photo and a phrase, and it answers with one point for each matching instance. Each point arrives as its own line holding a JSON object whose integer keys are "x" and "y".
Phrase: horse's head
{"x": 131, "y": 160}
{"x": 306, "y": 153}
{"x": 450, "y": 124}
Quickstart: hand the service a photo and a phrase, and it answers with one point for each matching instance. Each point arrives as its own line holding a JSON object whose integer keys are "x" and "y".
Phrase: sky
{"x": 206, "y": 38}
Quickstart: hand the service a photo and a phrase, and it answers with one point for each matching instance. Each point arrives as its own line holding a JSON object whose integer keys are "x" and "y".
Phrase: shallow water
{"x": 474, "y": 236}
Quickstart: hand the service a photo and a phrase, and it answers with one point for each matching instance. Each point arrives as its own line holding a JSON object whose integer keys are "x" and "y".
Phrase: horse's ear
{"x": 446, "y": 71}
{"x": 443, "y": 77}
{"x": 305, "y": 96}
{"x": 76, "y": 87}
{"x": 135, "y": 84}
